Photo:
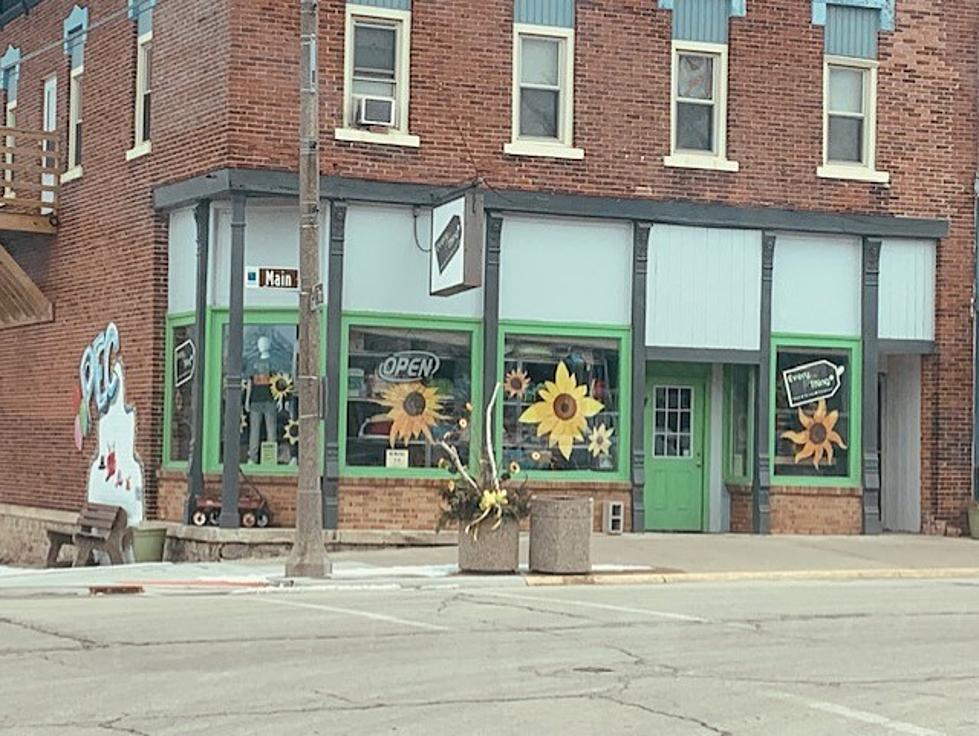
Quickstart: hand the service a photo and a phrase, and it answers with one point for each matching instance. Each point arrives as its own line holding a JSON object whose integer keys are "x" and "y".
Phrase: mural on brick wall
{"x": 116, "y": 473}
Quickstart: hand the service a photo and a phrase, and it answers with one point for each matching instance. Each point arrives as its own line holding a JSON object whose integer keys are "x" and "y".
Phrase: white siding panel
{"x": 816, "y": 289}
{"x": 564, "y": 270}
{"x": 907, "y": 290}
{"x": 703, "y": 288}
{"x": 182, "y": 261}
{"x": 386, "y": 271}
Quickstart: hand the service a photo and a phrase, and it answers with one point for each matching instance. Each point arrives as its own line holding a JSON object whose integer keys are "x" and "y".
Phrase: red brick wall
{"x": 109, "y": 259}
{"x": 801, "y": 510}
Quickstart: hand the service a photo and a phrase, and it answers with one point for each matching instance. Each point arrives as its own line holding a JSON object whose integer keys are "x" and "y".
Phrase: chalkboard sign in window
{"x": 813, "y": 420}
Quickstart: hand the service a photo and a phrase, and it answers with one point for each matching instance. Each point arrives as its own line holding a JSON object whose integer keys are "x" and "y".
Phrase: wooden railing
{"x": 29, "y": 173}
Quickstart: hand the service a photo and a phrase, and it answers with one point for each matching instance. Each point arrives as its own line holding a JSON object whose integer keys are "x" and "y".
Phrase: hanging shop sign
{"x": 408, "y": 366}
{"x": 811, "y": 382}
{"x": 456, "y": 253}
{"x": 258, "y": 277}
{"x": 184, "y": 362}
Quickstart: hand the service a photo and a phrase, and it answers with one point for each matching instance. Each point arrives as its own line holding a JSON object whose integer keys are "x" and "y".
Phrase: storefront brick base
{"x": 802, "y": 510}
{"x": 23, "y": 532}
{"x": 376, "y": 503}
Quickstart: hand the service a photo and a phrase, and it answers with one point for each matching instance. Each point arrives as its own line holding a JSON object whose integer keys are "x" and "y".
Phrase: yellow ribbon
{"x": 491, "y": 502}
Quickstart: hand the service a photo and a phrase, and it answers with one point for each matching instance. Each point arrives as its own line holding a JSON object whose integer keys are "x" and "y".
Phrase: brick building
{"x": 740, "y": 232}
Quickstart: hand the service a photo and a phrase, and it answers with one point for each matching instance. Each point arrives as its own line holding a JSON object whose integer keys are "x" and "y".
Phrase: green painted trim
{"x": 623, "y": 336}
{"x": 172, "y": 321}
{"x": 430, "y": 323}
{"x": 853, "y": 478}
{"x": 218, "y": 318}
{"x": 727, "y": 475}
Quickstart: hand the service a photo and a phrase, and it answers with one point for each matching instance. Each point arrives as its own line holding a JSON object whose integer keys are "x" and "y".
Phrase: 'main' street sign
{"x": 811, "y": 382}
{"x": 272, "y": 278}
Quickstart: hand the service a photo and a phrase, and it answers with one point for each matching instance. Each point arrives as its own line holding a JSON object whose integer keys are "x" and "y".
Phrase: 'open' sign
{"x": 409, "y": 365}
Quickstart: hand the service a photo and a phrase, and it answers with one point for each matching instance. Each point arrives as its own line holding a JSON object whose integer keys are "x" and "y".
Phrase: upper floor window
{"x": 75, "y": 35}
{"x": 850, "y": 120}
{"x": 698, "y": 114}
{"x": 144, "y": 65}
{"x": 375, "y": 106}
{"x": 543, "y": 92}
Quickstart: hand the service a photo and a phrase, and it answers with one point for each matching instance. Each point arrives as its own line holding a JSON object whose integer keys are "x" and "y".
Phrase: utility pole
{"x": 308, "y": 557}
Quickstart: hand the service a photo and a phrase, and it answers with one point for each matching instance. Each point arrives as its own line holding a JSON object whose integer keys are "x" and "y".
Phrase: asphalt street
{"x": 798, "y": 658}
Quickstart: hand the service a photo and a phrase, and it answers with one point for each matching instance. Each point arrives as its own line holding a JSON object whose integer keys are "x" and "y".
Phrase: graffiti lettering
{"x": 95, "y": 374}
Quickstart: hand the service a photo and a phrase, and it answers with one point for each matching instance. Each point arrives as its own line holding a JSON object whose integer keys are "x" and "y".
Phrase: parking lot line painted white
{"x": 600, "y": 606}
{"x": 355, "y": 612}
{"x": 860, "y": 715}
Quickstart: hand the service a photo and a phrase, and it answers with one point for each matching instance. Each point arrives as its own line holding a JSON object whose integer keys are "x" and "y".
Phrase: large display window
{"x": 407, "y": 384}
{"x": 565, "y": 398}
{"x": 181, "y": 364}
{"x": 739, "y": 426}
{"x": 816, "y": 420}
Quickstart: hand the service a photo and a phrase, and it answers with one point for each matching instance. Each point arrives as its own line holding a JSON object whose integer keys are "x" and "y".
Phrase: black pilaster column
{"x": 334, "y": 327}
{"x": 872, "y": 523}
{"x": 195, "y": 471}
{"x": 232, "y": 367}
{"x": 762, "y": 481}
{"x": 491, "y": 304}
{"x": 640, "y": 260}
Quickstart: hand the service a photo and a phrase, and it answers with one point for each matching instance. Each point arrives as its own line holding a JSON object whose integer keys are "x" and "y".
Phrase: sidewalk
{"x": 649, "y": 558}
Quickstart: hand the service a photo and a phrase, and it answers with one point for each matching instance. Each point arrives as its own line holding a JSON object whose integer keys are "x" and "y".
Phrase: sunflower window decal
{"x": 816, "y": 435}
{"x": 413, "y": 410}
{"x": 562, "y": 411}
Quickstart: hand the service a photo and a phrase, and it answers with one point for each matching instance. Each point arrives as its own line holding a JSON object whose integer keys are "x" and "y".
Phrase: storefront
{"x": 706, "y": 378}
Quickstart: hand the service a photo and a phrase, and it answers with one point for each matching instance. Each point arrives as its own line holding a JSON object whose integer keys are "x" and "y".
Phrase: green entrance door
{"x": 675, "y": 452}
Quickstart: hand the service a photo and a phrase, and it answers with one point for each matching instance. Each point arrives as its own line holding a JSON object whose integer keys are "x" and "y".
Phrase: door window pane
{"x": 406, "y": 389}
{"x": 672, "y": 432}
{"x": 268, "y": 427}
{"x": 812, "y": 437}
{"x": 561, "y": 403}
{"x": 845, "y": 139}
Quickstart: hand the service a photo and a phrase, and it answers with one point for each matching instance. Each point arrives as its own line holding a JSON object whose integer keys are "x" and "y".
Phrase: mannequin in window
{"x": 259, "y": 403}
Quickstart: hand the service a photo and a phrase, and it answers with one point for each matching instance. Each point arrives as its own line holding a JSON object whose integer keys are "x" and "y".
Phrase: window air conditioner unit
{"x": 375, "y": 111}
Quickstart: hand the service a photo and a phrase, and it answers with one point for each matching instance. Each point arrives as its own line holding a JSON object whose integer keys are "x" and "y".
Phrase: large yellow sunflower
{"x": 817, "y": 435}
{"x": 562, "y": 410}
{"x": 413, "y": 410}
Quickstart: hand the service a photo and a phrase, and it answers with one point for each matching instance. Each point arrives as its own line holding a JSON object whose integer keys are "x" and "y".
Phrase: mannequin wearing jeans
{"x": 258, "y": 399}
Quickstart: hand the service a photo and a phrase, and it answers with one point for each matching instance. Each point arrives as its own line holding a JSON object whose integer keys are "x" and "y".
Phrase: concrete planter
{"x": 148, "y": 544}
{"x": 494, "y": 551}
{"x": 974, "y": 521}
{"x": 560, "y": 534}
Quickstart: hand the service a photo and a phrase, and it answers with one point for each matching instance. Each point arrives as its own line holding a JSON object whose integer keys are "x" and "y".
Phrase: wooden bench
{"x": 100, "y": 528}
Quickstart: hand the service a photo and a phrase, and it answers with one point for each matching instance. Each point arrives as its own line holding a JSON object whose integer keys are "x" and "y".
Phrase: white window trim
{"x": 73, "y": 172}
{"x": 140, "y": 147}
{"x": 866, "y": 171}
{"x": 10, "y": 121}
{"x": 714, "y": 160}
{"x": 49, "y": 123}
{"x": 564, "y": 146}
{"x": 398, "y": 135}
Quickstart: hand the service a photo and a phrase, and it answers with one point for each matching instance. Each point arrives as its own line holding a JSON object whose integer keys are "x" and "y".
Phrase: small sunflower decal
{"x": 413, "y": 410}
{"x": 562, "y": 410}
{"x": 516, "y": 383}
{"x": 280, "y": 386}
{"x": 291, "y": 432}
{"x": 817, "y": 435}
{"x": 600, "y": 440}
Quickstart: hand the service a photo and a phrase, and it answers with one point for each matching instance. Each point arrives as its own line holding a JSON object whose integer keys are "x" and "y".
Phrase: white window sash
{"x": 143, "y": 85}
{"x": 400, "y": 20}
{"x": 868, "y": 114}
{"x": 716, "y": 158}
{"x": 564, "y": 87}
{"x": 75, "y": 114}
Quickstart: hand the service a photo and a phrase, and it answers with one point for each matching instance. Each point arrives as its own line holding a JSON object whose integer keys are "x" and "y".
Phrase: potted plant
{"x": 484, "y": 503}
{"x": 974, "y": 519}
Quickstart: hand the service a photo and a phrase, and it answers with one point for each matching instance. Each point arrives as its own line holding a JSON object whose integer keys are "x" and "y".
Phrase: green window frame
{"x": 173, "y": 321}
{"x": 622, "y": 335}
{"x": 733, "y": 475}
{"x": 854, "y": 445}
{"x": 420, "y": 322}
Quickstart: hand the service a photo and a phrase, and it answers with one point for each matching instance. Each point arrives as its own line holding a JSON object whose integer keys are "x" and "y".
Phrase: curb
{"x": 654, "y": 578}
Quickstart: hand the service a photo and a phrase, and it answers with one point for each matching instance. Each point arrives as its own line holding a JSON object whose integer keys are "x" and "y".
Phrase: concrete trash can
{"x": 560, "y": 534}
{"x": 494, "y": 550}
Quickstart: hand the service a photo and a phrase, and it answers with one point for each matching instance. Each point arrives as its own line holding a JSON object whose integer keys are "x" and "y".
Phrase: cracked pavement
{"x": 732, "y": 659}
